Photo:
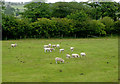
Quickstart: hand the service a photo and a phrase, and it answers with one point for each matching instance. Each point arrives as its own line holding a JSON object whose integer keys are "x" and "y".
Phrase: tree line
{"x": 63, "y": 19}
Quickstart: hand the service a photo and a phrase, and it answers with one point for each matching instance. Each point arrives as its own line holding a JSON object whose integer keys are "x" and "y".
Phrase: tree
{"x": 116, "y": 29}
{"x": 9, "y": 10}
{"x": 9, "y": 26}
{"x": 109, "y": 9}
{"x": 95, "y": 27}
{"x": 109, "y": 23}
{"x": 36, "y": 10}
{"x": 13, "y": 28}
{"x": 95, "y": 10}
{"x": 80, "y": 16}
{"x": 62, "y": 9}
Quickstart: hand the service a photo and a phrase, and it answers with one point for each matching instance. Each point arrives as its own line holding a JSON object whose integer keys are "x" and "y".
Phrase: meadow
{"x": 29, "y": 63}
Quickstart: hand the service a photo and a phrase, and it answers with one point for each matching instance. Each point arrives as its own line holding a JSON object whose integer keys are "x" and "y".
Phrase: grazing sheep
{"x": 58, "y": 46}
{"x": 82, "y": 54}
{"x": 49, "y": 45}
{"x": 67, "y": 56}
{"x": 75, "y": 55}
{"x": 59, "y": 59}
{"x": 13, "y": 45}
{"x": 53, "y": 46}
{"x": 46, "y": 46}
{"x": 49, "y": 49}
{"x": 71, "y": 48}
{"x": 61, "y": 50}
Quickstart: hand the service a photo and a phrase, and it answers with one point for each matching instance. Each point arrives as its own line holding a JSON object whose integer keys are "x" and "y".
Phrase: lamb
{"x": 58, "y": 46}
{"x": 54, "y": 46}
{"x": 67, "y": 56}
{"x": 82, "y": 54}
{"x": 46, "y": 46}
{"x": 71, "y": 48}
{"x": 61, "y": 50}
{"x": 49, "y": 45}
{"x": 75, "y": 55}
{"x": 13, "y": 45}
{"x": 59, "y": 59}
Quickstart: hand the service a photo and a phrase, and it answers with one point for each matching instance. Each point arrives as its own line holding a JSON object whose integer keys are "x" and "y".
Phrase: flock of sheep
{"x": 50, "y": 48}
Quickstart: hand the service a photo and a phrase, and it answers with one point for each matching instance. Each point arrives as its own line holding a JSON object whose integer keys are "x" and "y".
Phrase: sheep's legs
{"x": 56, "y": 62}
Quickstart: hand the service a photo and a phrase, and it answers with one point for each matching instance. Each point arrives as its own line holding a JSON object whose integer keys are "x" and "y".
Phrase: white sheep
{"x": 61, "y": 50}
{"x": 82, "y": 54}
{"x": 75, "y": 55}
{"x": 59, "y": 59}
{"x": 49, "y": 45}
{"x": 71, "y": 48}
{"x": 67, "y": 56}
{"x": 49, "y": 49}
{"x": 13, "y": 45}
{"x": 46, "y": 46}
{"x": 54, "y": 46}
{"x": 58, "y": 46}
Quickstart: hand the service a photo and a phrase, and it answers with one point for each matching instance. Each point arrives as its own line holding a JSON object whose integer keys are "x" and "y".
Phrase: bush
{"x": 116, "y": 29}
{"x": 95, "y": 27}
{"x": 109, "y": 23}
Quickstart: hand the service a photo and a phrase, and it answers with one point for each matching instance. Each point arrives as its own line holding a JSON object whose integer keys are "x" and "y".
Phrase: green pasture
{"x": 29, "y": 63}
{"x": 18, "y": 6}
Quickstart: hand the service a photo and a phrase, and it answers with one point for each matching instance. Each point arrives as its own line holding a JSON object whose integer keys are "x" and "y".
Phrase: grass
{"x": 18, "y": 6}
{"x": 100, "y": 64}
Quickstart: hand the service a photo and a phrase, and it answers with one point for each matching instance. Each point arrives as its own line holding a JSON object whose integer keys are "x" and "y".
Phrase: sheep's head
{"x": 63, "y": 61}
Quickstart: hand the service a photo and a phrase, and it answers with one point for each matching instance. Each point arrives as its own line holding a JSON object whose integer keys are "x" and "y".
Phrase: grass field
{"x": 18, "y": 6}
{"x": 100, "y": 64}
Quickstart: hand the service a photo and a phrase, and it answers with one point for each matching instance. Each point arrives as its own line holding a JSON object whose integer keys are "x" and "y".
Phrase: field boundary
{"x": 60, "y": 83}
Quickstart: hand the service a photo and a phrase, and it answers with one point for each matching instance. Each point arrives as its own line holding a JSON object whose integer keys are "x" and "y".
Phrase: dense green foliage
{"x": 63, "y": 19}
{"x": 36, "y": 10}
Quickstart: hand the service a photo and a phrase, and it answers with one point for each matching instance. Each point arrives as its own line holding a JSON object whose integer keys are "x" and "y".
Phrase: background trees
{"x": 108, "y": 22}
{"x": 36, "y": 10}
{"x": 62, "y": 19}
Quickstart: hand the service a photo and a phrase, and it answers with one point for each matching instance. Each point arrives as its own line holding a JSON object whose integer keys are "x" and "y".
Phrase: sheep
{"x": 13, "y": 45}
{"x": 58, "y": 46}
{"x": 67, "y": 56}
{"x": 59, "y": 59}
{"x": 54, "y": 46}
{"x": 71, "y": 48}
{"x": 82, "y": 54}
{"x": 49, "y": 45}
{"x": 75, "y": 55}
{"x": 46, "y": 46}
{"x": 61, "y": 50}
{"x": 49, "y": 49}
